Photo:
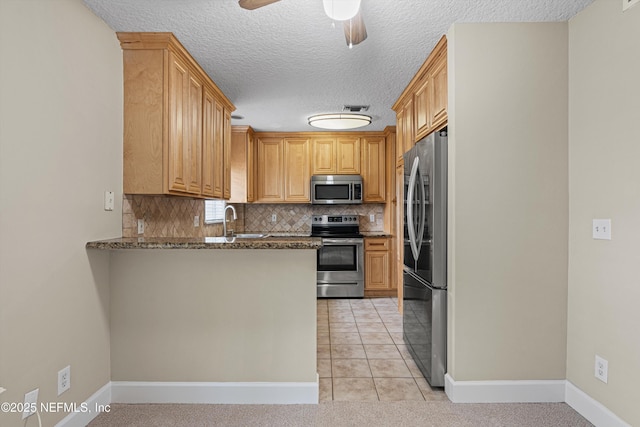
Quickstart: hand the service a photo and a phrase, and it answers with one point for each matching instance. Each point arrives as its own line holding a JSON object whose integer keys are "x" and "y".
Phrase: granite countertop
{"x": 375, "y": 234}
{"x": 269, "y": 242}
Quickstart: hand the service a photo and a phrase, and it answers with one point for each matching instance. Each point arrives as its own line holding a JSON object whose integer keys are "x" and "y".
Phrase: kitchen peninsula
{"x": 206, "y": 321}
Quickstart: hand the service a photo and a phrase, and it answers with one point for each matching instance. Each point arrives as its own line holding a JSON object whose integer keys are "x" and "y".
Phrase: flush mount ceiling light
{"x": 341, "y": 10}
{"x": 339, "y": 121}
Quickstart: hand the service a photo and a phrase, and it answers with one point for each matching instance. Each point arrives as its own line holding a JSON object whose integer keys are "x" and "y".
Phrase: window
{"x": 213, "y": 211}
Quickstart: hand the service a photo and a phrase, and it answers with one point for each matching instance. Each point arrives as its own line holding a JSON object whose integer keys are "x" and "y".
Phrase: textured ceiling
{"x": 284, "y": 62}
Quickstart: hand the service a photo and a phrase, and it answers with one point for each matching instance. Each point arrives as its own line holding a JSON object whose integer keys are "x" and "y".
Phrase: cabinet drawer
{"x": 376, "y": 244}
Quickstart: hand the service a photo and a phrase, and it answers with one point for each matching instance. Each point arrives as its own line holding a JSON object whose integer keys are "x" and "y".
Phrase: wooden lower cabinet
{"x": 377, "y": 267}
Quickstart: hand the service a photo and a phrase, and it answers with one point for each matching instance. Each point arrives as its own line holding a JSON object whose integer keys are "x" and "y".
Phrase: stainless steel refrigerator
{"x": 425, "y": 256}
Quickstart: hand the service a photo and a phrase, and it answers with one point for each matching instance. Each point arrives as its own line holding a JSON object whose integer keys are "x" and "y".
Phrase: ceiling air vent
{"x": 355, "y": 108}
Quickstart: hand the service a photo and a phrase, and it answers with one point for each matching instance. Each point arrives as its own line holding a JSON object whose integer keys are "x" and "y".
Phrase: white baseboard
{"x": 504, "y": 391}
{"x": 215, "y": 392}
{"x": 97, "y": 401}
{"x": 594, "y": 411}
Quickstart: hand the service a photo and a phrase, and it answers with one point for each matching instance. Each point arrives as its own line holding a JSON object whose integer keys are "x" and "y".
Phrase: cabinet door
{"x": 373, "y": 169}
{"x": 348, "y": 156}
{"x": 178, "y": 125}
{"x": 323, "y": 156}
{"x": 195, "y": 136}
{"x": 226, "y": 138}
{"x": 400, "y": 137}
{"x": 209, "y": 164}
{"x": 297, "y": 170}
{"x": 376, "y": 269}
{"x": 438, "y": 75}
{"x": 408, "y": 137}
{"x": 270, "y": 171}
{"x": 218, "y": 149}
{"x": 251, "y": 167}
{"x": 422, "y": 107}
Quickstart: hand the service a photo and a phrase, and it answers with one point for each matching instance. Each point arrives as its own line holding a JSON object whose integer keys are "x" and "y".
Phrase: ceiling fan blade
{"x": 354, "y": 30}
{"x": 254, "y": 4}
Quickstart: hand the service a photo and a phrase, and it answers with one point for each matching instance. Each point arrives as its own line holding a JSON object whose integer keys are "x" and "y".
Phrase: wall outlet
{"x": 274, "y": 217}
{"x": 196, "y": 221}
{"x": 141, "y": 226}
{"x": 372, "y": 218}
{"x": 109, "y": 200}
{"x": 626, "y": 4}
{"x": 602, "y": 369}
{"x": 64, "y": 379}
{"x": 30, "y": 403}
{"x": 602, "y": 229}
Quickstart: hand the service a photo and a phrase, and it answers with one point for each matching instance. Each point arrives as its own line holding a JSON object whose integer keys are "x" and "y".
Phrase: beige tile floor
{"x": 361, "y": 354}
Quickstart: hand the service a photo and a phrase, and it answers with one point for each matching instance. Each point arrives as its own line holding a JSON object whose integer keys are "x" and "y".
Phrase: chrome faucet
{"x": 224, "y": 219}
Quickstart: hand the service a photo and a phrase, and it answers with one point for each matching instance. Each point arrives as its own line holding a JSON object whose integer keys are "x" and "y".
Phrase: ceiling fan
{"x": 355, "y": 31}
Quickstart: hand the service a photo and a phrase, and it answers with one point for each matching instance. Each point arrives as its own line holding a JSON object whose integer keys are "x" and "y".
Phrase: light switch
{"x": 602, "y": 229}
{"x": 108, "y": 200}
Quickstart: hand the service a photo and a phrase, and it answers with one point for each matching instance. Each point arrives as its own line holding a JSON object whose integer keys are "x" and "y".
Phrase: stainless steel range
{"x": 341, "y": 258}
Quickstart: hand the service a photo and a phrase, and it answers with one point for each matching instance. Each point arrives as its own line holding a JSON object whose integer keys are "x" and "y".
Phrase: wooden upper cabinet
{"x": 242, "y": 164}
{"x": 373, "y": 169}
{"x": 211, "y": 154}
{"x": 408, "y": 136}
{"x": 226, "y": 126}
{"x": 195, "y": 135}
{"x": 178, "y": 125}
{"x": 170, "y": 124}
{"x": 333, "y": 155}
{"x": 270, "y": 170}
{"x": 297, "y": 172}
{"x": 185, "y": 122}
{"x": 283, "y": 169}
{"x": 438, "y": 76}
{"x": 324, "y": 156}
{"x": 251, "y": 167}
{"x": 422, "y": 106}
{"x": 399, "y": 137}
{"x": 348, "y": 156}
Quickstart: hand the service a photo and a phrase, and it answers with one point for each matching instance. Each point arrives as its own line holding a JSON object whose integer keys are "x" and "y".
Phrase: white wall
{"x": 60, "y": 148}
{"x": 604, "y": 182}
{"x": 508, "y": 195}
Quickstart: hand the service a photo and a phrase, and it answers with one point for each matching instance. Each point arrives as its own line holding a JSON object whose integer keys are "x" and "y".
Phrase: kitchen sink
{"x": 250, "y": 235}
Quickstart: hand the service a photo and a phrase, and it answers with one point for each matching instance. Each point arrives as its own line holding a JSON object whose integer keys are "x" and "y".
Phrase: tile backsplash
{"x": 296, "y": 218}
{"x": 167, "y": 216}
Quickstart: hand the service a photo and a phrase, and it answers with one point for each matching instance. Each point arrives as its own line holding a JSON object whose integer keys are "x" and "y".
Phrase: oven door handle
{"x": 342, "y": 241}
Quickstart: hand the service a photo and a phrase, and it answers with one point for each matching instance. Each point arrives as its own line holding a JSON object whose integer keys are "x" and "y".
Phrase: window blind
{"x": 213, "y": 211}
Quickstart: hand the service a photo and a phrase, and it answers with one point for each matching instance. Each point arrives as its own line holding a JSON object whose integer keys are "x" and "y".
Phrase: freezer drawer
{"x": 425, "y": 327}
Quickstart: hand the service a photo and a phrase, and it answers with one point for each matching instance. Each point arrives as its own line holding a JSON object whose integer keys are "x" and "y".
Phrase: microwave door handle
{"x": 351, "y": 191}
{"x": 410, "y": 201}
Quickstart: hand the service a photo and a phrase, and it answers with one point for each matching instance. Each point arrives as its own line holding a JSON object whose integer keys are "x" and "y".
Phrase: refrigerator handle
{"x": 423, "y": 218}
{"x": 410, "y": 196}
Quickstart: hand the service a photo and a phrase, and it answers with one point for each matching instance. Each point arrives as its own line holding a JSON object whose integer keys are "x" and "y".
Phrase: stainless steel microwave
{"x": 336, "y": 189}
